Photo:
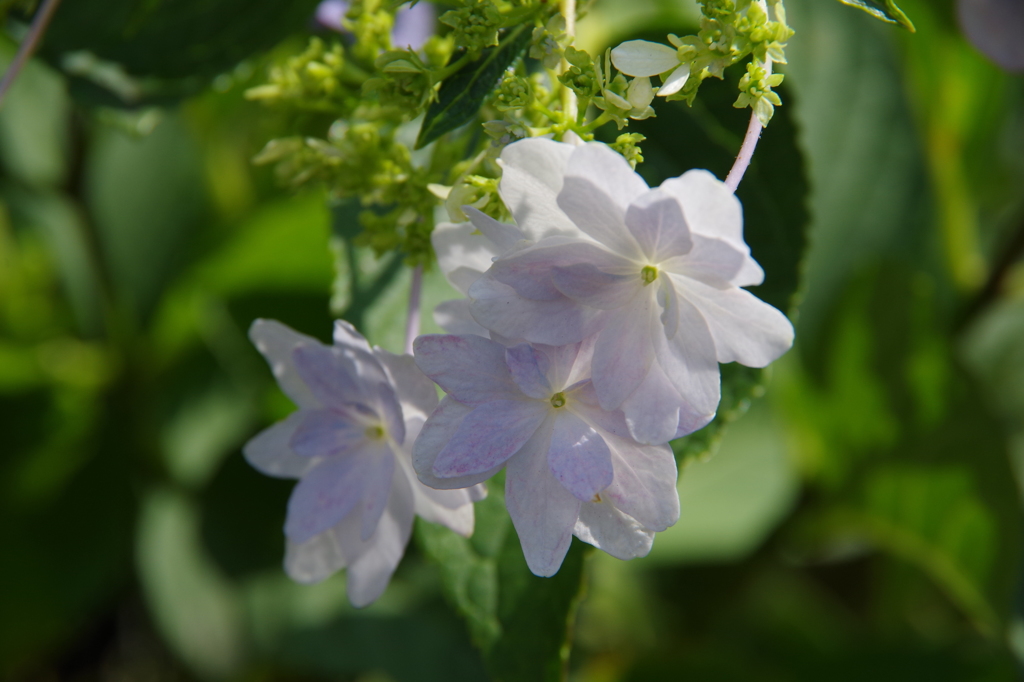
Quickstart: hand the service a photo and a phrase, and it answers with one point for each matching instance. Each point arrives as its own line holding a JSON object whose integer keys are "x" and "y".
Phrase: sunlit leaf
{"x": 886, "y": 10}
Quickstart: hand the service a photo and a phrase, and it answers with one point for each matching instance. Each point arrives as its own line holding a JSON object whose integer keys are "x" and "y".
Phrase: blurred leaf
{"x": 34, "y": 144}
{"x": 522, "y": 623}
{"x": 197, "y": 611}
{"x": 993, "y": 350}
{"x": 183, "y": 44}
{"x": 148, "y": 200}
{"x": 730, "y": 502}
{"x": 463, "y": 93}
{"x": 863, "y": 160}
{"x": 886, "y": 10}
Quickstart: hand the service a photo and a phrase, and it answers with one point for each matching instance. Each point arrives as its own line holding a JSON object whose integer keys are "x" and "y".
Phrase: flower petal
{"x": 325, "y": 495}
{"x": 656, "y": 221}
{"x": 463, "y": 254}
{"x": 531, "y": 178}
{"x": 499, "y": 308}
{"x": 542, "y": 510}
{"x": 644, "y": 485}
{"x": 528, "y": 369}
{"x": 711, "y": 209}
{"x": 276, "y": 342}
{"x": 488, "y": 436}
{"x": 644, "y": 58}
{"x": 370, "y": 572}
{"x": 469, "y": 368}
{"x": 323, "y": 433}
{"x": 416, "y": 392}
{"x": 623, "y": 353}
{"x": 319, "y": 557}
{"x": 689, "y": 361}
{"x": 598, "y": 187}
{"x": 712, "y": 261}
{"x": 587, "y": 284}
{"x": 330, "y": 376}
{"x": 377, "y": 487}
{"x": 609, "y": 529}
{"x": 578, "y": 457}
{"x": 435, "y": 435}
{"x": 270, "y": 453}
{"x": 503, "y": 236}
{"x": 454, "y": 317}
{"x": 675, "y": 81}
{"x": 745, "y": 329}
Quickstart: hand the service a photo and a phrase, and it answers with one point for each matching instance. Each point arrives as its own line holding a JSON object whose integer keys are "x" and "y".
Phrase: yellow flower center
{"x": 374, "y": 432}
{"x": 649, "y": 274}
{"x": 558, "y": 400}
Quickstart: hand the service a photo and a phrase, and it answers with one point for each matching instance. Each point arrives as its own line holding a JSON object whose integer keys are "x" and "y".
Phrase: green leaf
{"x": 520, "y": 622}
{"x": 166, "y": 49}
{"x": 886, "y": 10}
{"x": 463, "y": 93}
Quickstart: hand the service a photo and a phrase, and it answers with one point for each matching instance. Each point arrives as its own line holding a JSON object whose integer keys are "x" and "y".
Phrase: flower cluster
{"x": 589, "y": 337}
{"x": 349, "y": 444}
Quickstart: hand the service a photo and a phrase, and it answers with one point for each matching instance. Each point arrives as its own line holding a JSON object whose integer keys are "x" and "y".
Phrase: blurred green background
{"x": 862, "y": 520}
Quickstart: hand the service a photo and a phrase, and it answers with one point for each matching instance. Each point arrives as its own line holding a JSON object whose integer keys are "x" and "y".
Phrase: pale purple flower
{"x": 349, "y": 444}
{"x": 571, "y": 467}
{"x": 413, "y": 25}
{"x": 655, "y": 274}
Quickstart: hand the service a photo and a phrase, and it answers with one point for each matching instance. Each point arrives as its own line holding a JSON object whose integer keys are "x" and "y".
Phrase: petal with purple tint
{"x": 377, "y": 484}
{"x": 370, "y": 571}
{"x": 656, "y": 221}
{"x": 454, "y": 317}
{"x": 531, "y": 178}
{"x": 499, "y": 308}
{"x": 325, "y": 495}
{"x": 624, "y": 352}
{"x": 645, "y": 483}
{"x": 463, "y": 254}
{"x": 689, "y": 362}
{"x": 488, "y": 436}
{"x": 587, "y": 284}
{"x": 330, "y": 377}
{"x": 579, "y": 457}
{"x": 503, "y": 236}
{"x": 715, "y": 262}
{"x": 529, "y": 369}
{"x": 745, "y": 329}
{"x": 469, "y": 368}
{"x": 609, "y": 529}
{"x": 437, "y": 432}
{"x": 276, "y": 342}
{"x": 269, "y": 451}
{"x": 542, "y": 510}
{"x": 323, "y": 433}
{"x": 711, "y": 209}
{"x": 415, "y": 391}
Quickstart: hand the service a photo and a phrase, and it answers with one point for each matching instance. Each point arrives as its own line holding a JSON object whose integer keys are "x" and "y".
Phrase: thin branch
{"x": 28, "y": 45}
{"x": 993, "y": 287}
{"x": 412, "y": 322}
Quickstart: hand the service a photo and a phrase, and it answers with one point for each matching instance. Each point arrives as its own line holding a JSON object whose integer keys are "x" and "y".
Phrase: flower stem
{"x": 569, "y": 105}
{"x": 754, "y": 128}
{"x": 28, "y": 45}
{"x": 412, "y": 322}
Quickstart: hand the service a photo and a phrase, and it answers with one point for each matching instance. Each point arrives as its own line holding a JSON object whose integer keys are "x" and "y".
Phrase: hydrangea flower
{"x": 349, "y": 444}
{"x": 571, "y": 467}
{"x": 655, "y": 274}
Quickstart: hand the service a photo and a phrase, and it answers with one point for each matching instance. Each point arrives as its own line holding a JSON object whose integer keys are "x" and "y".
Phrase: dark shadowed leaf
{"x": 463, "y": 93}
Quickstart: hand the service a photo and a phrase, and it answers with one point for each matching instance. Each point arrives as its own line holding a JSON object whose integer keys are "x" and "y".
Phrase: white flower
{"x": 349, "y": 444}
{"x": 571, "y": 467}
{"x": 643, "y": 58}
{"x": 654, "y": 273}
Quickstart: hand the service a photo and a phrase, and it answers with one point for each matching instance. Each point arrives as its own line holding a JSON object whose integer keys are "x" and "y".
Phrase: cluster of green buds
{"x": 318, "y": 79}
{"x": 730, "y": 31}
{"x": 619, "y": 99}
